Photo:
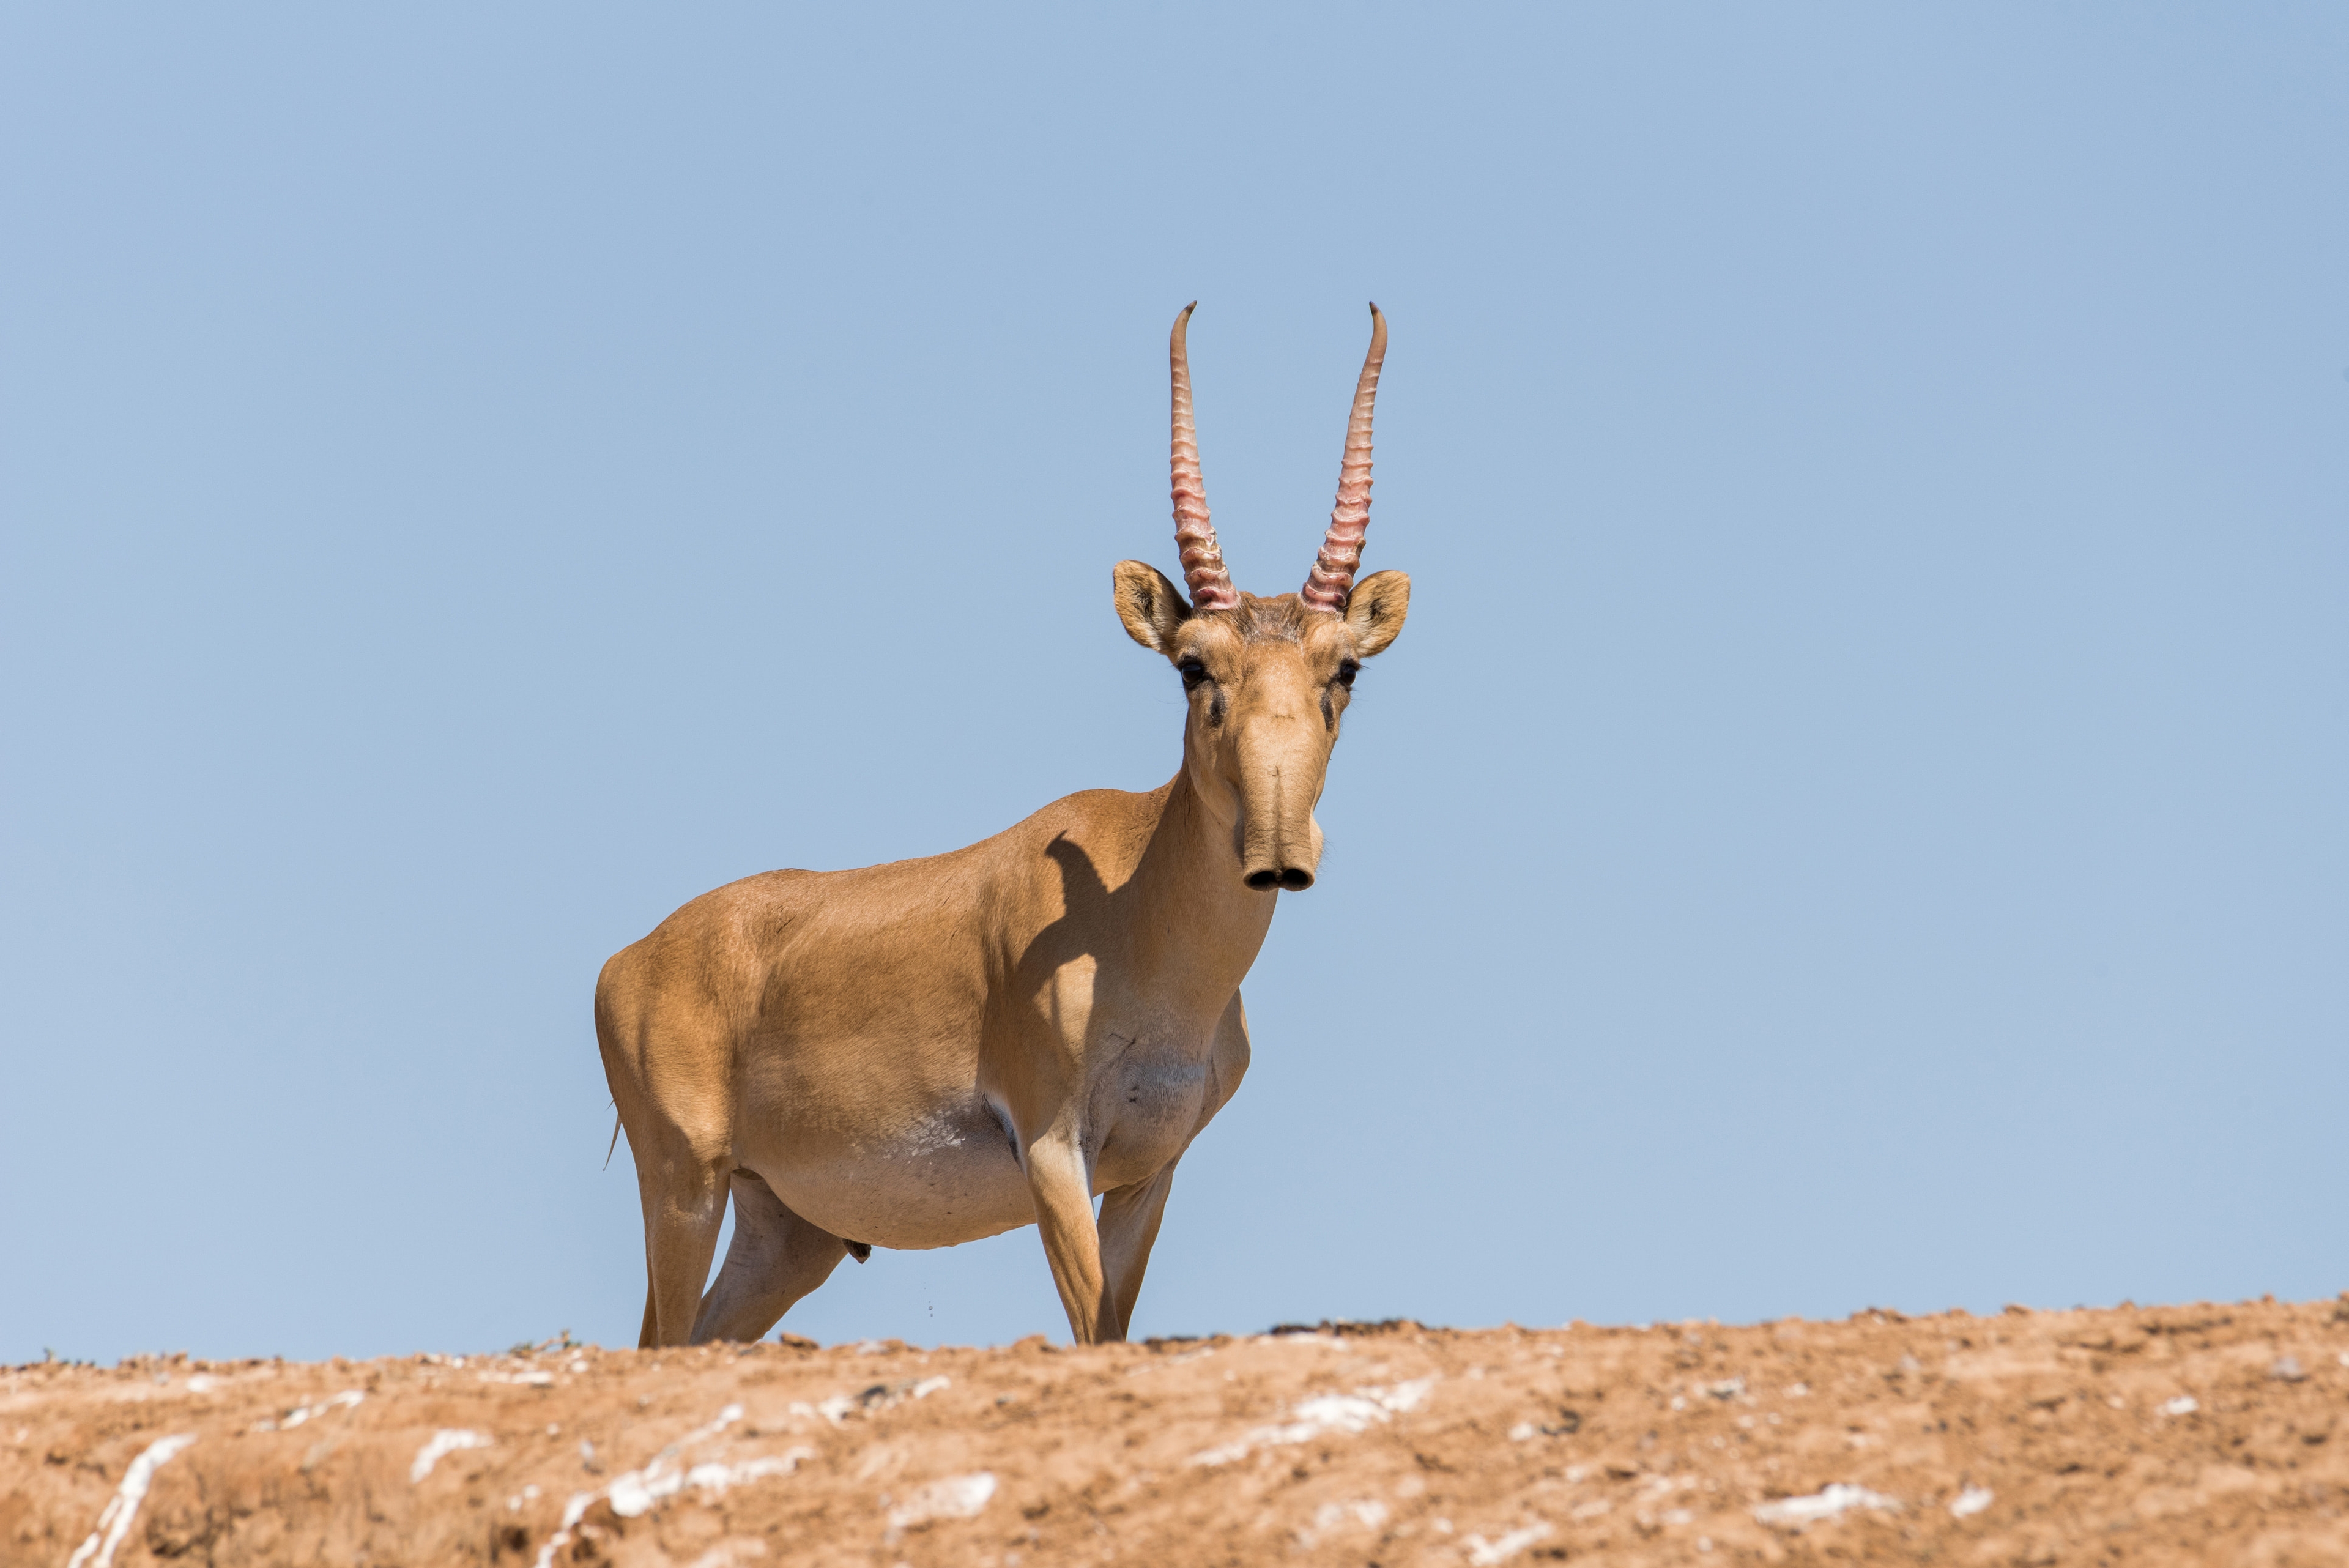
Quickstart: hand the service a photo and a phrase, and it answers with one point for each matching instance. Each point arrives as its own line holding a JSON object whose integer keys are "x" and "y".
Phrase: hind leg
{"x": 667, "y": 1055}
{"x": 685, "y": 1208}
{"x": 775, "y": 1258}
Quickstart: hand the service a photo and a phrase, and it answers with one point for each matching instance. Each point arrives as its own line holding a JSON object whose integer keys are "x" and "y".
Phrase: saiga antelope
{"x": 933, "y": 1050}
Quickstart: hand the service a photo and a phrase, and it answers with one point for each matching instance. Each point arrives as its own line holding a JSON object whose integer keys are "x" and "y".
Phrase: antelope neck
{"x": 1210, "y": 923}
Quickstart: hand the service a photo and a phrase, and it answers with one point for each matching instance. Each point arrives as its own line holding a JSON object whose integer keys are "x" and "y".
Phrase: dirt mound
{"x": 2200, "y": 1434}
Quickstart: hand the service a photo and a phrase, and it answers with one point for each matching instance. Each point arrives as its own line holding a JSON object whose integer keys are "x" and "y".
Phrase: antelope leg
{"x": 1064, "y": 1218}
{"x": 685, "y": 1208}
{"x": 775, "y": 1258}
{"x": 1129, "y": 1226}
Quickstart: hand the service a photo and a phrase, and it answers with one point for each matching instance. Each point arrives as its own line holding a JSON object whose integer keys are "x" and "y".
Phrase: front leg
{"x": 1129, "y": 1215}
{"x": 1062, "y": 1187}
{"x": 1129, "y": 1226}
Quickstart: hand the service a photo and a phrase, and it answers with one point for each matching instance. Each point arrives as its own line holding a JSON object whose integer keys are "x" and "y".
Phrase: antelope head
{"x": 1267, "y": 679}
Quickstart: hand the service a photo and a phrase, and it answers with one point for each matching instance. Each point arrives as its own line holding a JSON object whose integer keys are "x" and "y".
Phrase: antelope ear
{"x": 1150, "y": 606}
{"x": 1375, "y": 610}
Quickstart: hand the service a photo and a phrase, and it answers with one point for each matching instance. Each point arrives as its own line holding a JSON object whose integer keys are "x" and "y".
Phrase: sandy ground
{"x": 2191, "y": 1434}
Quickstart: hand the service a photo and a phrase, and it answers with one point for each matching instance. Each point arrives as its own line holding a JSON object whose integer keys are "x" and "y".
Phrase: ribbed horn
{"x": 1331, "y": 581}
{"x": 1202, "y": 562}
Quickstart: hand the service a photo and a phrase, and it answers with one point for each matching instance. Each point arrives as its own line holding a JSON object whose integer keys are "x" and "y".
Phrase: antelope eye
{"x": 1347, "y": 670}
{"x": 1192, "y": 673}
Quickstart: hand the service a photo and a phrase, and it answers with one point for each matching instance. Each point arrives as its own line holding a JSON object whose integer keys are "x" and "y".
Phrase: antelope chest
{"x": 1144, "y": 1104}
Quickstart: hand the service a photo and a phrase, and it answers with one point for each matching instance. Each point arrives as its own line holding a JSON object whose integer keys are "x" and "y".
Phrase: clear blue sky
{"x": 1856, "y": 816}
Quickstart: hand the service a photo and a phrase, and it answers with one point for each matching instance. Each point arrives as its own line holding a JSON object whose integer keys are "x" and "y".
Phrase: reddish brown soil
{"x": 2200, "y": 1434}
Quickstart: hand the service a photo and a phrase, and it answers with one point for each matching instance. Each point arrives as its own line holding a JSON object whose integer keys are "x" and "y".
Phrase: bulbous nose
{"x": 1293, "y": 878}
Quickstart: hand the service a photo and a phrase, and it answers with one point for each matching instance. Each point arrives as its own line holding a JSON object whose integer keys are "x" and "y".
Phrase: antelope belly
{"x": 949, "y": 1178}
